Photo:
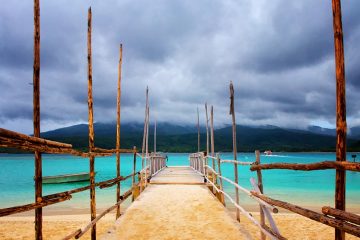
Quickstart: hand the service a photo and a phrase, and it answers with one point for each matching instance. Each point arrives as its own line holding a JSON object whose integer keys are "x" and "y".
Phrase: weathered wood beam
{"x": 341, "y": 127}
{"x": 91, "y": 127}
{"x": 36, "y": 119}
{"x": 332, "y": 222}
{"x": 236, "y": 175}
{"x": 349, "y": 217}
{"x": 32, "y": 206}
{"x": 351, "y": 166}
{"x": 118, "y": 116}
{"x": 12, "y": 134}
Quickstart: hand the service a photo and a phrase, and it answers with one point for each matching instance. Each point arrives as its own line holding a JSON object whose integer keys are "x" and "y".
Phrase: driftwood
{"x": 349, "y": 217}
{"x": 332, "y": 222}
{"x": 340, "y": 111}
{"x": 351, "y": 166}
{"x": 232, "y": 113}
{"x": 42, "y": 141}
{"x": 31, "y": 206}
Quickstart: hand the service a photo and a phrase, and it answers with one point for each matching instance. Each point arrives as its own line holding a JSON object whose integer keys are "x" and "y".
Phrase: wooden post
{"x": 198, "y": 128}
{"x": 232, "y": 113}
{"x": 155, "y": 137}
{"x": 143, "y": 161}
{"x": 134, "y": 171}
{"x": 340, "y": 111}
{"x": 221, "y": 180}
{"x": 207, "y": 139}
{"x": 36, "y": 119}
{"x": 260, "y": 185}
{"x": 91, "y": 130}
{"x": 118, "y": 102}
{"x": 147, "y": 144}
{"x": 212, "y": 143}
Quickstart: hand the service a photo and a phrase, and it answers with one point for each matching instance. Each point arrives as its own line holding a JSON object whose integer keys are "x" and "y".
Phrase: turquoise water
{"x": 314, "y": 188}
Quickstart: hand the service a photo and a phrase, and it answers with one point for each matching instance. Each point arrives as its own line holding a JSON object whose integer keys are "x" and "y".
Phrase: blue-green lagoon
{"x": 309, "y": 189}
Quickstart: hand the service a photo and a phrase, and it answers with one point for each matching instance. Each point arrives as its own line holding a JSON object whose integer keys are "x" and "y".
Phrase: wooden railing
{"x": 344, "y": 221}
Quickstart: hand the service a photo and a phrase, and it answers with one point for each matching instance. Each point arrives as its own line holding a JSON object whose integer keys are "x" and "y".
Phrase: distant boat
{"x": 268, "y": 152}
{"x": 76, "y": 177}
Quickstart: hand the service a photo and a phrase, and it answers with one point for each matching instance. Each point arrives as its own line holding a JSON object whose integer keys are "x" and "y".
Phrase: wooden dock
{"x": 176, "y": 205}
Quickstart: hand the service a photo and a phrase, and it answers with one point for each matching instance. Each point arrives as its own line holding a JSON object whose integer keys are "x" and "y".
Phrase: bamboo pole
{"x": 349, "y": 217}
{"x": 118, "y": 115}
{"x": 91, "y": 129}
{"x": 260, "y": 184}
{"x": 340, "y": 111}
{"x": 342, "y": 165}
{"x": 36, "y": 119}
{"x": 198, "y": 128}
{"x": 232, "y": 113}
{"x": 332, "y": 222}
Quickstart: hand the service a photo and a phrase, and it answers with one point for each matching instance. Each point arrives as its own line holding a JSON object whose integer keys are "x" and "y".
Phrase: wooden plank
{"x": 340, "y": 111}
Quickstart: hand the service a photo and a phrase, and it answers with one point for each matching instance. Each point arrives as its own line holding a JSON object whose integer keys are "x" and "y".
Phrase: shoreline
{"x": 291, "y": 226}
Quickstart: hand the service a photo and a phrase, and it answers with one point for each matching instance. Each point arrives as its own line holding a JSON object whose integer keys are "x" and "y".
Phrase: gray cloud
{"x": 280, "y": 57}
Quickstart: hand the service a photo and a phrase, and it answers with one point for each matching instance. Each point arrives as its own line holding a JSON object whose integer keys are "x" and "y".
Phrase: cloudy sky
{"x": 278, "y": 53}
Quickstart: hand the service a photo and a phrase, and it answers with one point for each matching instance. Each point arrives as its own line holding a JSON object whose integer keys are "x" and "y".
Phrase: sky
{"x": 279, "y": 55}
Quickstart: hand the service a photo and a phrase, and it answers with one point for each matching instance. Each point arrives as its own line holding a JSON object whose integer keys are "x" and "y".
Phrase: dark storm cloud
{"x": 279, "y": 56}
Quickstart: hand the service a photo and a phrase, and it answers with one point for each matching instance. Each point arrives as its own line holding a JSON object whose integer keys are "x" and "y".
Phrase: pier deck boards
{"x": 176, "y": 211}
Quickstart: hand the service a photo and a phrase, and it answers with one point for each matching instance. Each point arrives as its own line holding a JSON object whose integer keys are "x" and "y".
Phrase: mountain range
{"x": 177, "y": 138}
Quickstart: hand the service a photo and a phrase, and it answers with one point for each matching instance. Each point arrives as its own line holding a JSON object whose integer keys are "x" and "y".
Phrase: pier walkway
{"x": 176, "y": 205}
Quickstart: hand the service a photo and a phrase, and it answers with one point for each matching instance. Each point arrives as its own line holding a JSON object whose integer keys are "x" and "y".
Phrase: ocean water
{"x": 315, "y": 188}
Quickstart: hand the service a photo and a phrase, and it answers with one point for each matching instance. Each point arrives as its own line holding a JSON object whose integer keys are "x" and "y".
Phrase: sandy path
{"x": 176, "y": 212}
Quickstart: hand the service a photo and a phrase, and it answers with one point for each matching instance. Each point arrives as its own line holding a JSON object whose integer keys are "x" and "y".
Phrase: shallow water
{"x": 315, "y": 188}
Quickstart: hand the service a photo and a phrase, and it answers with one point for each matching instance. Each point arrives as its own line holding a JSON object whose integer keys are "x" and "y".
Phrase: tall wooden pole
{"x": 91, "y": 129}
{"x": 340, "y": 111}
{"x": 198, "y": 128}
{"x": 143, "y": 162}
{"x": 147, "y": 140}
{"x": 155, "y": 137}
{"x": 260, "y": 185}
{"x": 134, "y": 171}
{"x": 36, "y": 119}
{"x": 118, "y": 102}
{"x": 232, "y": 113}
{"x": 207, "y": 129}
{"x": 212, "y": 141}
